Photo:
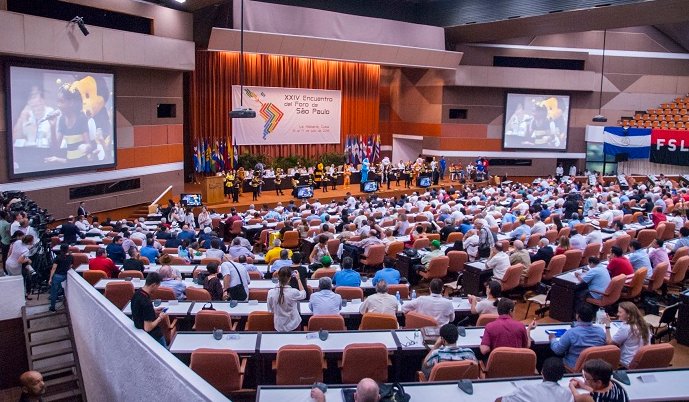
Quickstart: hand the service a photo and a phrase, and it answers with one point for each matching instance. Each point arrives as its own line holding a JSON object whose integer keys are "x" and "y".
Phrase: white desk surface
{"x": 240, "y": 310}
{"x": 181, "y": 308}
{"x": 337, "y": 341}
{"x": 670, "y": 385}
{"x": 100, "y": 285}
{"x": 480, "y": 264}
{"x": 187, "y": 342}
{"x": 182, "y": 269}
{"x": 269, "y": 284}
{"x": 460, "y": 305}
{"x": 569, "y": 276}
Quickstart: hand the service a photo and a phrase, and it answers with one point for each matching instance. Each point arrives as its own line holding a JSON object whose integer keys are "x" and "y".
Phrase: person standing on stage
{"x": 318, "y": 175}
{"x": 559, "y": 172}
{"x": 256, "y": 185}
{"x": 443, "y": 166}
{"x": 364, "y": 170}
{"x": 260, "y": 168}
{"x": 407, "y": 175}
{"x": 346, "y": 174}
{"x": 332, "y": 176}
{"x": 236, "y": 186}
{"x": 386, "y": 175}
{"x": 229, "y": 182}
{"x": 295, "y": 184}
{"x": 435, "y": 171}
{"x": 241, "y": 174}
{"x": 278, "y": 181}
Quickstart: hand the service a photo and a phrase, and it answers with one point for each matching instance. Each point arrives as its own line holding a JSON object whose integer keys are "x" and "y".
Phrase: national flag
{"x": 635, "y": 142}
{"x": 209, "y": 158}
{"x": 221, "y": 155}
{"x": 355, "y": 150}
{"x": 347, "y": 150}
{"x": 376, "y": 147}
{"x": 216, "y": 158}
{"x": 362, "y": 148}
{"x": 369, "y": 149}
{"x": 235, "y": 152}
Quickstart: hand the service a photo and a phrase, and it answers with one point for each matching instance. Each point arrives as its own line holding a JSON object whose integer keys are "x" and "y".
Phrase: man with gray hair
{"x": 381, "y": 302}
{"x": 284, "y": 261}
{"x": 325, "y": 301}
{"x": 544, "y": 253}
{"x": 366, "y": 391}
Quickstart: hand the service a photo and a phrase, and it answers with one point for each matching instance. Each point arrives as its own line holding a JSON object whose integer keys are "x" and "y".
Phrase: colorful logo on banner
{"x": 270, "y": 113}
{"x": 670, "y": 147}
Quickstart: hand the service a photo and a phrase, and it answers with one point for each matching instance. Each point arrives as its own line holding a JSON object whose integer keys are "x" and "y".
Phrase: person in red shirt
{"x": 103, "y": 263}
{"x": 619, "y": 264}
{"x": 506, "y": 331}
{"x": 658, "y": 216}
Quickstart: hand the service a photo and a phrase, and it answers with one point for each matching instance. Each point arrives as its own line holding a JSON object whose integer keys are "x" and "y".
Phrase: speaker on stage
{"x": 621, "y": 157}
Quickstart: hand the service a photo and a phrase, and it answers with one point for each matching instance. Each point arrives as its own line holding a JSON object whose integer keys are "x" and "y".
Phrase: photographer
{"x": 18, "y": 261}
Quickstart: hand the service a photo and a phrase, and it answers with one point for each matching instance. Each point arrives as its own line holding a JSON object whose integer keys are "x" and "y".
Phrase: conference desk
{"x": 184, "y": 270}
{"x": 138, "y": 283}
{"x": 665, "y": 385}
{"x": 476, "y": 274}
{"x": 563, "y": 295}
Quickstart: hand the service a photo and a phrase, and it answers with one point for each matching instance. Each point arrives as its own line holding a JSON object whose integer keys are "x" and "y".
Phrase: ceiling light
{"x": 181, "y": 1}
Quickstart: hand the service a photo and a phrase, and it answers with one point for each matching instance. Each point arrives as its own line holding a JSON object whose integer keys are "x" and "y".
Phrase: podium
{"x": 212, "y": 190}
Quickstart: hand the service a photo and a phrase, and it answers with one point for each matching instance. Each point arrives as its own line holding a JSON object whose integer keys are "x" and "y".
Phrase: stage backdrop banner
{"x": 288, "y": 116}
{"x": 670, "y": 147}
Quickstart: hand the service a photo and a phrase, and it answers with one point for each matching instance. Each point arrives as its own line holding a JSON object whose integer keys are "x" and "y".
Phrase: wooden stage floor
{"x": 269, "y": 197}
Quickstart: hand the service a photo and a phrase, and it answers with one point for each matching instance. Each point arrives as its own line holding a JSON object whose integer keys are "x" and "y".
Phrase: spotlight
{"x": 80, "y": 23}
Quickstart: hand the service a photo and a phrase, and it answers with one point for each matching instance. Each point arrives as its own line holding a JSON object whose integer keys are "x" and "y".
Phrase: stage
{"x": 269, "y": 197}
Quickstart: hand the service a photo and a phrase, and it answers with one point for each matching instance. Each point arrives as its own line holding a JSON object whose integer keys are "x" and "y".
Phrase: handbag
{"x": 388, "y": 393}
{"x": 237, "y": 292}
{"x": 206, "y": 307}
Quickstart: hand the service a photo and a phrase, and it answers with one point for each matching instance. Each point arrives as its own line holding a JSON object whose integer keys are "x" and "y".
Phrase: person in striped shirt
{"x": 446, "y": 349}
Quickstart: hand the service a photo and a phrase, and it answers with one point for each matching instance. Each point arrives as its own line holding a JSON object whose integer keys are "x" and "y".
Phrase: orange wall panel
{"x": 125, "y": 158}
{"x": 142, "y": 136}
{"x": 175, "y": 134}
{"x": 175, "y": 152}
{"x": 464, "y": 131}
{"x": 159, "y": 135}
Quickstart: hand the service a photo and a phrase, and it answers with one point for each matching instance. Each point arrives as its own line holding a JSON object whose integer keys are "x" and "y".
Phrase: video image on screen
{"x": 60, "y": 120}
{"x": 304, "y": 192}
{"x": 191, "y": 200}
{"x": 424, "y": 182}
{"x": 536, "y": 121}
{"x": 370, "y": 187}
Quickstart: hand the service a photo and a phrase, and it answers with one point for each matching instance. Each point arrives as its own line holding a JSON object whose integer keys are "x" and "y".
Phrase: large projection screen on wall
{"x": 59, "y": 120}
{"x": 536, "y": 122}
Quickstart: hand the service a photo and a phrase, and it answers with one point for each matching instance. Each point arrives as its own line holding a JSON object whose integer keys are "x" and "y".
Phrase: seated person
{"x": 446, "y": 349}
{"x": 284, "y": 261}
{"x": 618, "y": 264}
{"x": 115, "y": 251}
{"x": 435, "y": 252}
{"x": 149, "y": 251}
{"x": 133, "y": 263}
{"x": 549, "y": 390}
{"x": 489, "y": 305}
{"x": 325, "y": 301}
{"x": 594, "y": 282}
{"x": 390, "y": 275}
{"x": 381, "y": 302}
{"x": 215, "y": 252}
{"x": 213, "y": 282}
{"x": 506, "y": 331}
{"x": 544, "y": 253}
{"x": 498, "y": 261}
{"x": 639, "y": 258}
{"x": 171, "y": 280}
{"x": 275, "y": 252}
{"x": 598, "y": 383}
{"x": 520, "y": 256}
{"x": 347, "y": 276}
{"x": 103, "y": 263}
{"x": 583, "y": 335}
{"x": 435, "y": 305}
{"x": 632, "y": 333}
{"x": 249, "y": 267}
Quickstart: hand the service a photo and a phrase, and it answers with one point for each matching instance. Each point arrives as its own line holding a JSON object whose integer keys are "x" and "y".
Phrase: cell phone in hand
{"x": 165, "y": 309}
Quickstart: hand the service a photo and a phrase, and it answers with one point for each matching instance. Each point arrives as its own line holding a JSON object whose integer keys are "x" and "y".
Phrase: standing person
{"x": 279, "y": 175}
{"x": 572, "y": 171}
{"x": 598, "y": 383}
{"x": 213, "y": 282}
{"x": 81, "y": 211}
{"x": 559, "y": 172}
{"x": 143, "y": 313}
{"x": 443, "y": 167}
{"x": 58, "y": 274}
{"x": 633, "y": 333}
{"x": 346, "y": 174}
{"x": 549, "y": 390}
{"x": 283, "y": 301}
{"x": 364, "y": 170}
{"x": 5, "y": 237}
{"x": 233, "y": 276}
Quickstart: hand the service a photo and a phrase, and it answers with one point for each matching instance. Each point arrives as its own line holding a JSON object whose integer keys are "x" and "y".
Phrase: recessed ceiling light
{"x": 181, "y": 1}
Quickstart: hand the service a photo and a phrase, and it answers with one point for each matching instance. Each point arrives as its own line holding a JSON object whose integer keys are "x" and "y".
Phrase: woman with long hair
{"x": 283, "y": 301}
{"x": 563, "y": 245}
{"x": 557, "y": 222}
{"x": 489, "y": 305}
{"x": 632, "y": 333}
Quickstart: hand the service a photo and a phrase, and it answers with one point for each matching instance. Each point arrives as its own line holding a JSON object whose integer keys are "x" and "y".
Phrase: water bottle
{"x": 600, "y": 316}
{"x": 399, "y": 298}
{"x": 413, "y": 294}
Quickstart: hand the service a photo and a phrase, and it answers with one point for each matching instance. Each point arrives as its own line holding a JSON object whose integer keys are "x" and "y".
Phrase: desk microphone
{"x": 54, "y": 113}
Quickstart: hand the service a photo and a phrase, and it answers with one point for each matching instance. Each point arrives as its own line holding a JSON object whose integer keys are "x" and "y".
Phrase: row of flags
{"x": 358, "y": 148}
{"x": 215, "y": 156}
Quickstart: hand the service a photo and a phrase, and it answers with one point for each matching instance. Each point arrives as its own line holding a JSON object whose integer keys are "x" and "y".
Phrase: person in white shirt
{"x": 549, "y": 390}
{"x": 381, "y": 302}
{"x": 325, "y": 301}
{"x": 204, "y": 218}
{"x": 595, "y": 236}
{"x": 138, "y": 234}
{"x": 538, "y": 226}
{"x": 434, "y": 305}
{"x": 235, "y": 274}
{"x": 499, "y": 261}
{"x": 632, "y": 333}
{"x": 283, "y": 301}
{"x": 215, "y": 252}
{"x": 577, "y": 241}
{"x": 471, "y": 244}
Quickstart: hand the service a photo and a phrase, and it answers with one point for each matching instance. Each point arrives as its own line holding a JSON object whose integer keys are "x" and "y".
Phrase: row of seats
{"x": 304, "y": 364}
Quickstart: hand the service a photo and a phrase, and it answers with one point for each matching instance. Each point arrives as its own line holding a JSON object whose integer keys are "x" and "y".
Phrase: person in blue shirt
{"x": 574, "y": 221}
{"x": 443, "y": 166}
{"x": 639, "y": 258}
{"x": 465, "y": 226}
{"x": 597, "y": 279}
{"x": 115, "y": 251}
{"x": 581, "y": 336}
{"x": 682, "y": 241}
{"x": 150, "y": 252}
{"x": 522, "y": 230}
{"x": 508, "y": 217}
{"x": 347, "y": 276}
{"x": 390, "y": 275}
{"x": 186, "y": 234}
